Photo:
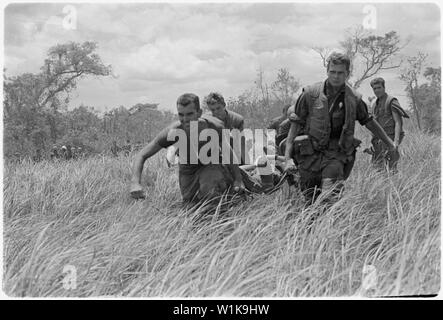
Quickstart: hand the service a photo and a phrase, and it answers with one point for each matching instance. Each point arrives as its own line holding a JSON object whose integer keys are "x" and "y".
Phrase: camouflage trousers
{"x": 211, "y": 181}
{"x": 380, "y": 152}
{"x": 315, "y": 167}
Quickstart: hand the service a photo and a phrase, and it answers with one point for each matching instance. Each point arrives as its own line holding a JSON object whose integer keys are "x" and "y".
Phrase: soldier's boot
{"x": 378, "y": 157}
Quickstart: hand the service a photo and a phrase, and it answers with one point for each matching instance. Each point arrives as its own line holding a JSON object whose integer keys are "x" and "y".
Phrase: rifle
{"x": 391, "y": 156}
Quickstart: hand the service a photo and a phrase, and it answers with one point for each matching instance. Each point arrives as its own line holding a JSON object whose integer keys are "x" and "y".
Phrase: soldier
{"x": 63, "y": 152}
{"x": 68, "y": 154}
{"x": 275, "y": 123}
{"x": 74, "y": 152}
{"x": 127, "y": 148}
{"x": 388, "y": 112}
{"x": 38, "y": 156}
{"x": 115, "y": 149}
{"x": 54, "y": 153}
{"x": 231, "y": 120}
{"x": 321, "y": 136}
{"x": 281, "y": 126}
{"x": 197, "y": 180}
{"x": 80, "y": 152}
{"x": 216, "y": 104}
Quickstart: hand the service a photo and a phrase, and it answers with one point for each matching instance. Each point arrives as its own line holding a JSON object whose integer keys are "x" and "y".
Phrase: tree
{"x": 140, "y": 123}
{"x": 32, "y": 101}
{"x": 257, "y": 106}
{"x": 82, "y": 128}
{"x": 428, "y": 96}
{"x": 368, "y": 53}
{"x": 434, "y": 76}
{"x": 66, "y": 63}
{"x": 285, "y": 87}
{"x": 324, "y": 53}
{"x": 410, "y": 75}
{"x": 262, "y": 86}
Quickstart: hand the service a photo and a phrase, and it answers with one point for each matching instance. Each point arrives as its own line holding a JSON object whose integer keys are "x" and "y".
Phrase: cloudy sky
{"x": 159, "y": 51}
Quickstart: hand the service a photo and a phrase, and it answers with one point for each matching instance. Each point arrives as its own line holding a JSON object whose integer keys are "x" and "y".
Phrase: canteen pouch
{"x": 303, "y": 145}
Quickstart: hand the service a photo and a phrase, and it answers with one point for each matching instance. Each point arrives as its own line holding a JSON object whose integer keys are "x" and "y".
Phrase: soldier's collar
{"x": 329, "y": 88}
{"x": 385, "y": 95}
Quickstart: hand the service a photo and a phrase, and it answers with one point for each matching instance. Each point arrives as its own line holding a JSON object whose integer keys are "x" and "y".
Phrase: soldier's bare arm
{"x": 297, "y": 115}
{"x": 235, "y": 169}
{"x": 242, "y": 125}
{"x": 144, "y": 154}
{"x": 238, "y": 184}
{"x": 289, "y": 142}
{"x": 398, "y": 127}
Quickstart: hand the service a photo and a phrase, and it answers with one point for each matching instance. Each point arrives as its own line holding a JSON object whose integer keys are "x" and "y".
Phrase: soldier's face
{"x": 218, "y": 110}
{"x": 378, "y": 89}
{"x": 188, "y": 113}
{"x": 337, "y": 74}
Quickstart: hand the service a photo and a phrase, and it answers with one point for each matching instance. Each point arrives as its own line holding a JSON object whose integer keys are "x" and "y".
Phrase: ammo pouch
{"x": 303, "y": 146}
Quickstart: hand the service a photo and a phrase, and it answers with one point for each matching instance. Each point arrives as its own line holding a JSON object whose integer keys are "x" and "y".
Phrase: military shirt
{"x": 337, "y": 111}
{"x": 380, "y": 103}
{"x": 233, "y": 120}
{"x": 275, "y": 122}
{"x": 205, "y": 122}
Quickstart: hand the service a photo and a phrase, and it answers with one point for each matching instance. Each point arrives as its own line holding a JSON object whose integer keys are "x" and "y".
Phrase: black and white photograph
{"x": 221, "y": 150}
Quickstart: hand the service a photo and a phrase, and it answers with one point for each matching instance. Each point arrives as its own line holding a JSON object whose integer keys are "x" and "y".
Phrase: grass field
{"x": 75, "y": 220}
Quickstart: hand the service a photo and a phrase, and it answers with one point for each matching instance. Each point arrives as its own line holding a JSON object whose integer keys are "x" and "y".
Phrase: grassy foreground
{"x": 75, "y": 221}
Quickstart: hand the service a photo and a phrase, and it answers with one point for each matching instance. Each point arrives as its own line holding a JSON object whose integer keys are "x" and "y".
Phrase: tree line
{"x": 36, "y": 115}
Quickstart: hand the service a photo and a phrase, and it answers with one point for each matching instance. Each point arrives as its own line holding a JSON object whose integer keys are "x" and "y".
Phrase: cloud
{"x": 273, "y": 43}
{"x": 162, "y": 50}
{"x": 211, "y": 55}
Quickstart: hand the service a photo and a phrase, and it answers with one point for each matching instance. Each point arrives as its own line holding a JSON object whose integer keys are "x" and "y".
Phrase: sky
{"x": 161, "y": 50}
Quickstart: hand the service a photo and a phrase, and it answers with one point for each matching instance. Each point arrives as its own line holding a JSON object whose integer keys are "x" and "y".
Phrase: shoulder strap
{"x": 390, "y": 102}
{"x": 355, "y": 94}
{"x": 313, "y": 90}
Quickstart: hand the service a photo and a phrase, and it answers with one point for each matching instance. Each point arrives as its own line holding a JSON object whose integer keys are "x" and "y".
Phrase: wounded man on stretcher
{"x": 263, "y": 176}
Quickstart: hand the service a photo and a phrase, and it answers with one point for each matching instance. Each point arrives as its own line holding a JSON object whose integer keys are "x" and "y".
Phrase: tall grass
{"x": 79, "y": 214}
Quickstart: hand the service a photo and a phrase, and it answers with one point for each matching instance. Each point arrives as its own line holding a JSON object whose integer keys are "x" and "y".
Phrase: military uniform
{"x": 275, "y": 123}
{"x": 127, "y": 148}
{"x": 233, "y": 121}
{"x": 325, "y": 147}
{"x": 54, "y": 153}
{"x": 383, "y": 109}
{"x": 282, "y": 133}
{"x": 199, "y": 181}
{"x": 115, "y": 150}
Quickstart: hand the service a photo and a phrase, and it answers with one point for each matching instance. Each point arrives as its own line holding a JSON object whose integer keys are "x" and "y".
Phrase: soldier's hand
{"x": 290, "y": 166}
{"x": 368, "y": 151}
{"x": 393, "y": 154}
{"x": 137, "y": 191}
{"x": 238, "y": 186}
